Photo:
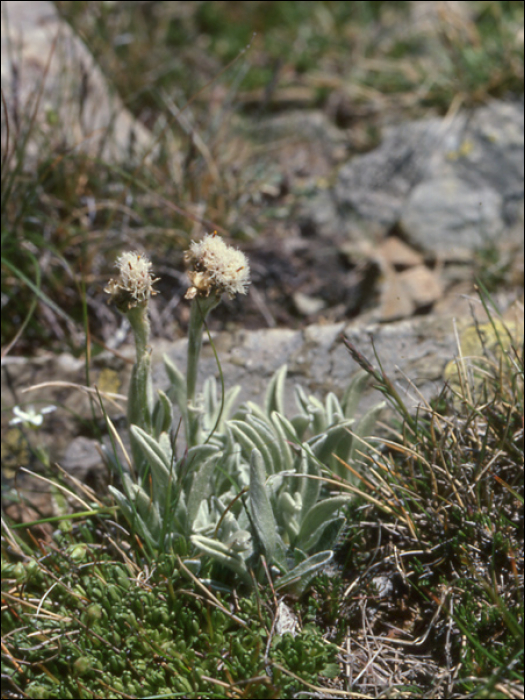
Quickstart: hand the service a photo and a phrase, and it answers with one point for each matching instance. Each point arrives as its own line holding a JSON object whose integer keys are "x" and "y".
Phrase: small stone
{"x": 399, "y": 254}
{"x": 395, "y": 302}
{"x": 307, "y": 305}
{"x": 421, "y": 285}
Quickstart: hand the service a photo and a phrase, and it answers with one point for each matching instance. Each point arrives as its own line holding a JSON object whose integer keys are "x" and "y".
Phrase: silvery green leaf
{"x": 300, "y": 576}
{"x": 243, "y": 521}
{"x": 368, "y": 421}
{"x": 240, "y": 439}
{"x": 288, "y": 511}
{"x": 200, "y": 487}
{"x": 229, "y": 523}
{"x": 162, "y": 415}
{"x": 239, "y": 541}
{"x": 194, "y": 565}
{"x": 309, "y": 487}
{"x": 215, "y": 440}
{"x": 148, "y": 511}
{"x": 353, "y": 393}
{"x": 317, "y": 413}
{"x": 140, "y": 394}
{"x": 179, "y": 511}
{"x": 274, "y": 399}
{"x": 166, "y": 445}
{"x": 363, "y": 430}
{"x": 158, "y": 461}
{"x": 129, "y": 486}
{"x": 301, "y": 399}
{"x": 133, "y": 517}
{"x": 289, "y": 506}
{"x": 249, "y": 408}
{"x": 274, "y": 483}
{"x": 212, "y": 404}
{"x": 197, "y": 453}
{"x": 331, "y": 533}
{"x": 140, "y": 511}
{"x": 290, "y": 531}
{"x": 334, "y": 412}
{"x": 286, "y": 426}
{"x": 314, "y": 402}
{"x": 249, "y": 439}
{"x": 204, "y": 521}
{"x": 261, "y": 509}
{"x": 229, "y": 401}
{"x": 190, "y": 463}
{"x": 122, "y": 500}
{"x": 193, "y": 426}
{"x": 209, "y": 395}
{"x": 232, "y": 473}
{"x": 287, "y": 458}
{"x": 223, "y": 554}
{"x": 323, "y": 445}
{"x": 177, "y": 390}
{"x": 272, "y": 440}
{"x": 344, "y": 448}
{"x": 317, "y": 518}
{"x": 301, "y": 423}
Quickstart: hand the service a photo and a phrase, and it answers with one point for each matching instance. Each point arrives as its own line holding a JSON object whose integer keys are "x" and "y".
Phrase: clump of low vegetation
{"x": 425, "y": 595}
{"x": 438, "y": 564}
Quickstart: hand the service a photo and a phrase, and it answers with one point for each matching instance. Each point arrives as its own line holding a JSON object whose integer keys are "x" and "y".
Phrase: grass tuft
{"x": 438, "y": 551}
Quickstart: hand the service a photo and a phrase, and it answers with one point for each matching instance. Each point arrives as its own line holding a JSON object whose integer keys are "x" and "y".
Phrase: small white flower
{"x": 216, "y": 267}
{"x": 30, "y": 417}
{"x": 135, "y": 282}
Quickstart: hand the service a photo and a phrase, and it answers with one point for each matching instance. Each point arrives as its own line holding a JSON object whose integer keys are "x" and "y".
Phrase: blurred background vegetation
{"x": 201, "y": 76}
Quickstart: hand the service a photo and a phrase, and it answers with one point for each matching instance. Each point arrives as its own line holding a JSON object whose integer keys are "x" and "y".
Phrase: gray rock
{"x": 374, "y": 185}
{"x": 448, "y": 215}
{"x": 47, "y": 70}
{"x": 452, "y": 184}
{"x": 413, "y": 353}
{"x": 83, "y": 460}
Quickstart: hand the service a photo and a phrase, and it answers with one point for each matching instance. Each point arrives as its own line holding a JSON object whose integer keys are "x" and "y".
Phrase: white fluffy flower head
{"x": 216, "y": 267}
{"x": 135, "y": 281}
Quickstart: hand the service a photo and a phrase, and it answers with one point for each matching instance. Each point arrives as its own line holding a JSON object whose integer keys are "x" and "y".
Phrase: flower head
{"x": 216, "y": 267}
{"x": 134, "y": 284}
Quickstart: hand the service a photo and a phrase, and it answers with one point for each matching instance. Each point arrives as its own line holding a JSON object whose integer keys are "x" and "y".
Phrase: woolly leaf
{"x": 157, "y": 458}
{"x": 334, "y": 412}
{"x": 177, "y": 390}
{"x": 250, "y": 438}
{"x": 365, "y": 427}
{"x": 301, "y": 399}
{"x": 326, "y": 443}
{"x": 223, "y": 554}
{"x": 353, "y": 393}
{"x": 317, "y": 518}
{"x": 310, "y": 488}
{"x": 200, "y": 487}
{"x": 162, "y": 415}
{"x": 271, "y": 439}
{"x": 274, "y": 399}
{"x": 300, "y": 576}
{"x": 261, "y": 509}
{"x": 301, "y": 423}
